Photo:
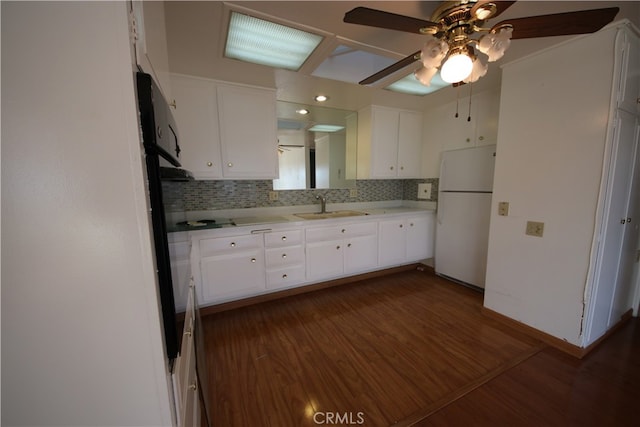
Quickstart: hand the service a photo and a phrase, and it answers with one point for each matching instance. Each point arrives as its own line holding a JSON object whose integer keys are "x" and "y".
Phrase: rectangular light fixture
{"x": 412, "y": 86}
{"x": 262, "y": 42}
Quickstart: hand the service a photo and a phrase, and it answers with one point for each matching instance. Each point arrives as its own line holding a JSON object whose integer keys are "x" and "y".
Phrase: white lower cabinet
{"x": 406, "y": 239}
{"x": 239, "y": 262}
{"x": 231, "y": 267}
{"x": 341, "y": 249}
{"x": 185, "y": 380}
{"x": 179, "y": 252}
{"x": 284, "y": 255}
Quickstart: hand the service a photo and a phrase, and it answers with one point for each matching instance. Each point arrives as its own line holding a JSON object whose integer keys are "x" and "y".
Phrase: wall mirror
{"x": 316, "y": 147}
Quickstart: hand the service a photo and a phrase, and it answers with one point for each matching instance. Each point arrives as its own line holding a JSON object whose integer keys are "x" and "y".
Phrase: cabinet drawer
{"x": 283, "y": 238}
{"x": 229, "y": 244}
{"x": 288, "y": 276}
{"x": 337, "y": 232}
{"x": 289, "y": 255}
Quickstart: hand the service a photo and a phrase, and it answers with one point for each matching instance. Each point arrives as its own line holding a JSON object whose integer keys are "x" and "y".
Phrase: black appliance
{"x": 162, "y": 157}
{"x": 160, "y": 140}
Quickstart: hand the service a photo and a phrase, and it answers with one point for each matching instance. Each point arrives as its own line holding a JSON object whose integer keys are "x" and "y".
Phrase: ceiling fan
{"x": 460, "y": 45}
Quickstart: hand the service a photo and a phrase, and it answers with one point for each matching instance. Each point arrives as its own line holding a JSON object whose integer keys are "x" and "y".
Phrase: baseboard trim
{"x": 560, "y": 344}
{"x": 231, "y": 305}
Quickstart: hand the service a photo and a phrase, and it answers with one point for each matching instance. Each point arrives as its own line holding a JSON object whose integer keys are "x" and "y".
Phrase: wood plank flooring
{"x": 384, "y": 351}
{"x": 407, "y": 349}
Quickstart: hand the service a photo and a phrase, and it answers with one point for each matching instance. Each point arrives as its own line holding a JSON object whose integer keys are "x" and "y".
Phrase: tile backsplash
{"x": 214, "y": 195}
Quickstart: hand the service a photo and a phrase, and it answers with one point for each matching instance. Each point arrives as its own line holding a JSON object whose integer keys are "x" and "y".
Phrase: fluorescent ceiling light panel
{"x": 262, "y": 42}
{"x": 351, "y": 65}
{"x": 412, "y": 86}
{"x": 326, "y": 128}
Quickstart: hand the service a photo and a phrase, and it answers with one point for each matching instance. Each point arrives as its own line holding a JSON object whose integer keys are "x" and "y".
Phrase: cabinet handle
{"x": 338, "y": 247}
{"x": 209, "y": 164}
{"x": 628, "y": 220}
{"x": 349, "y": 245}
{"x": 343, "y": 230}
{"x": 284, "y": 276}
{"x": 284, "y": 238}
{"x": 401, "y": 168}
{"x": 623, "y": 221}
{"x": 173, "y": 104}
{"x": 401, "y": 225}
{"x": 230, "y": 164}
{"x": 411, "y": 225}
{"x": 468, "y": 139}
{"x": 232, "y": 244}
{"x": 390, "y": 167}
{"x": 188, "y": 333}
{"x": 481, "y": 138}
{"x": 284, "y": 255}
{"x": 193, "y": 387}
{"x": 253, "y": 260}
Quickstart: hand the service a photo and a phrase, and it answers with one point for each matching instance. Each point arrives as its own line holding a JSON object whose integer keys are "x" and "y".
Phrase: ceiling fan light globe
{"x": 479, "y": 69}
{"x": 433, "y": 52}
{"x": 424, "y": 75}
{"x": 456, "y": 68}
{"x": 494, "y": 45}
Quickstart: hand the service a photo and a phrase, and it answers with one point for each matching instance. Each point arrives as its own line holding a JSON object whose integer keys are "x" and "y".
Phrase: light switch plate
{"x": 424, "y": 190}
{"x": 535, "y": 228}
{"x": 503, "y": 208}
{"x": 273, "y": 196}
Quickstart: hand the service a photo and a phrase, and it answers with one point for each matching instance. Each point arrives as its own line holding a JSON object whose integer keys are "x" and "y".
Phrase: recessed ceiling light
{"x": 302, "y": 111}
{"x": 321, "y": 98}
{"x": 262, "y": 42}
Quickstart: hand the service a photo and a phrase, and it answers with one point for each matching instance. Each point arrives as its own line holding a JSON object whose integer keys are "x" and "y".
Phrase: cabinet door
{"x": 629, "y": 90}
{"x": 248, "y": 132}
{"x": 152, "y": 54}
{"x": 485, "y": 110}
{"x": 420, "y": 237}
{"x": 384, "y": 144}
{"x": 232, "y": 274}
{"x": 409, "y": 144}
{"x": 361, "y": 253}
{"x": 196, "y": 115}
{"x": 392, "y": 243}
{"x": 324, "y": 259}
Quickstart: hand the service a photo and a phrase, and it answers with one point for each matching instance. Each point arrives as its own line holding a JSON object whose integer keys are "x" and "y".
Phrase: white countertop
{"x": 287, "y": 214}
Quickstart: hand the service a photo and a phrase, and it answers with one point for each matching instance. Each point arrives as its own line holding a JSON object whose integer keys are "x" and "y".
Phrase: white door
{"x": 623, "y": 294}
{"x": 607, "y": 281}
{"x": 462, "y": 236}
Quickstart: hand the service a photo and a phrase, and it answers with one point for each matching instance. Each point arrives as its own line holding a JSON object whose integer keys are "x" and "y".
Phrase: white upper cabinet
{"x": 151, "y": 42}
{"x": 389, "y": 143}
{"x": 248, "y": 132}
{"x": 196, "y": 115}
{"x": 226, "y": 131}
{"x": 629, "y": 81}
{"x": 476, "y": 124}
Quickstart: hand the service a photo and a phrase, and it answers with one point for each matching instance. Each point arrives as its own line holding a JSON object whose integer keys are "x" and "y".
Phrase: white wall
{"x": 553, "y": 121}
{"x": 81, "y": 334}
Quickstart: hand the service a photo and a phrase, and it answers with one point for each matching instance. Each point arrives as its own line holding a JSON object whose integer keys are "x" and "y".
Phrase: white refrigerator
{"x": 464, "y": 208}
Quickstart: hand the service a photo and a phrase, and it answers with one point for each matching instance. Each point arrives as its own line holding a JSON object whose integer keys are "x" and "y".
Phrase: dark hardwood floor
{"x": 405, "y": 349}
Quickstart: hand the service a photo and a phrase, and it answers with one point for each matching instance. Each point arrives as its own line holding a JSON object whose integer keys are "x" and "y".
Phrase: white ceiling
{"x": 196, "y": 38}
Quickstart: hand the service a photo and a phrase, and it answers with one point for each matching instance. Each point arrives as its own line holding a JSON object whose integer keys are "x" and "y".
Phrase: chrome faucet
{"x": 323, "y": 203}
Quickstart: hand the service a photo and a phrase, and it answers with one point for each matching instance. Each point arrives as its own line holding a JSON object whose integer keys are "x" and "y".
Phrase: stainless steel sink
{"x": 327, "y": 215}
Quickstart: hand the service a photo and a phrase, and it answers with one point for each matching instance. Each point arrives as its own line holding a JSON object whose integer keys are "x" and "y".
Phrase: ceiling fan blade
{"x": 388, "y": 20}
{"x": 391, "y": 68}
{"x": 501, "y": 6}
{"x": 560, "y": 24}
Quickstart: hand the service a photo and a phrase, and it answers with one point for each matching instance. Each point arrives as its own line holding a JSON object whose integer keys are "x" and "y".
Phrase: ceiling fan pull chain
{"x": 457, "y": 98}
{"x": 470, "y": 92}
